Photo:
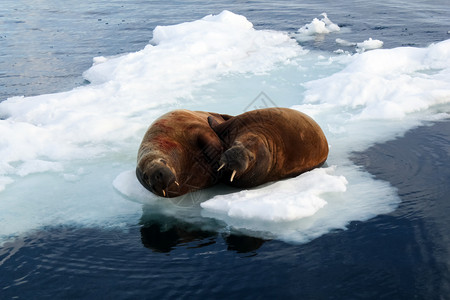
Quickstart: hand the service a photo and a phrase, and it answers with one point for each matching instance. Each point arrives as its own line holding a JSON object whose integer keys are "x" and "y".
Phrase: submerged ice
{"x": 64, "y": 156}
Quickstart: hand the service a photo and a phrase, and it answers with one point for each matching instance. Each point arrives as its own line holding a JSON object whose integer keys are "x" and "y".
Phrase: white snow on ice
{"x": 300, "y": 197}
{"x": 69, "y": 158}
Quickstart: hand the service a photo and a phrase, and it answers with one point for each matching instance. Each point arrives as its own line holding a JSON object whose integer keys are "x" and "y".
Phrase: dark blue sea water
{"x": 44, "y": 48}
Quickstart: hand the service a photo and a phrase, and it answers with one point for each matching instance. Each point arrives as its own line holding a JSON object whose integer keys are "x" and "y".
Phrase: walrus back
{"x": 290, "y": 142}
{"x": 305, "y": 143}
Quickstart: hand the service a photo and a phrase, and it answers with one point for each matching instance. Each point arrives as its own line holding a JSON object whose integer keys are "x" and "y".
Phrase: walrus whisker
{"x": 221, "y": 166}
{"x": 232, "y": 175}
{"x": 176, "y": 182}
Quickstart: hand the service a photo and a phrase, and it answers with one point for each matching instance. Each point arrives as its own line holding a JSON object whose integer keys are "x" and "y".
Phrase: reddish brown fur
{"x": 183, "y": 144}
{"x": 165, "y": 143}
{"x": 270, "y": 144}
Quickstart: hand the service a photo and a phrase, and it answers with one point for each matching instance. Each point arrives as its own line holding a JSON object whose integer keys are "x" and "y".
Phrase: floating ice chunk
{"x": 286, "y": 200}
{"x": 345, "y": 42}
{"x": 323, "y": 26}
{"x": 99, "y": 60}
{"x": 387, "y": 83}
{"x": 330, "y": 25}
{"x": 96, "y": 129}
{"x": 369, "y": 44}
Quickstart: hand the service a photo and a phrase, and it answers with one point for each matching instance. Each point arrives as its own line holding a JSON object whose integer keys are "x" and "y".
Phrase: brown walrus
{"x": 179, "y": 153}
{"x": 269, "y": 144}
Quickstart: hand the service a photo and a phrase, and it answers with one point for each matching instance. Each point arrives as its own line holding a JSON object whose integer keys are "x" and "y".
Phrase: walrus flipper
{"x": 219, "y": 117}
{"x": 217, "y": 125}
{"x": 223, "y": 129}
{"x": 213, "y": 123}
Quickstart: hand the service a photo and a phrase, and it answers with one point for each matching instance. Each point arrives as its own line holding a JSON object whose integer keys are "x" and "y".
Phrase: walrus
{"x": 269, "y": 144}
{"x": 179, "y": 153}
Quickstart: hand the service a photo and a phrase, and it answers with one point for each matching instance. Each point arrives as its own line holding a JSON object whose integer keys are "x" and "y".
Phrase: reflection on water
{"x": 160, "y": 239}
{"x": 162, "y": 233}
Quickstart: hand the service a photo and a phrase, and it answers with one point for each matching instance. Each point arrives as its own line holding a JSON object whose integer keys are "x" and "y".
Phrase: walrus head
{"x": 238, "y": 159}
{"x": 158, "y": 177}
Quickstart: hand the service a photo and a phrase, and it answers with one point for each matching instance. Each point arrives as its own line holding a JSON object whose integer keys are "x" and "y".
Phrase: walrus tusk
{"x": 164, "y": 193}
{"x": 232, "y": 175}
{"x": 223, "y": 165}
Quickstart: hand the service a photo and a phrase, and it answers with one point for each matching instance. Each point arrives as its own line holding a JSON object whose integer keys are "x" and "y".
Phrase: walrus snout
{"x": 157, "y": 179}
{"x": 236, "y": 159}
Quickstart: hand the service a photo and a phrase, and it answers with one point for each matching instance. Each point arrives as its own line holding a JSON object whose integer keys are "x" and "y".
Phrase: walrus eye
{"x": 163, "y": 161}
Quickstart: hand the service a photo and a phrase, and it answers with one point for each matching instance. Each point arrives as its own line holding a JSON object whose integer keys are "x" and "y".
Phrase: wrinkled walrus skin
{"x": 179, "y": 153}
{"x": 269, "y": 144}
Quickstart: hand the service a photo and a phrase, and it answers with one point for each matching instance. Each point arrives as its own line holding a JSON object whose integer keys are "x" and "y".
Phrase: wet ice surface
{"x": 77, "y": 148}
